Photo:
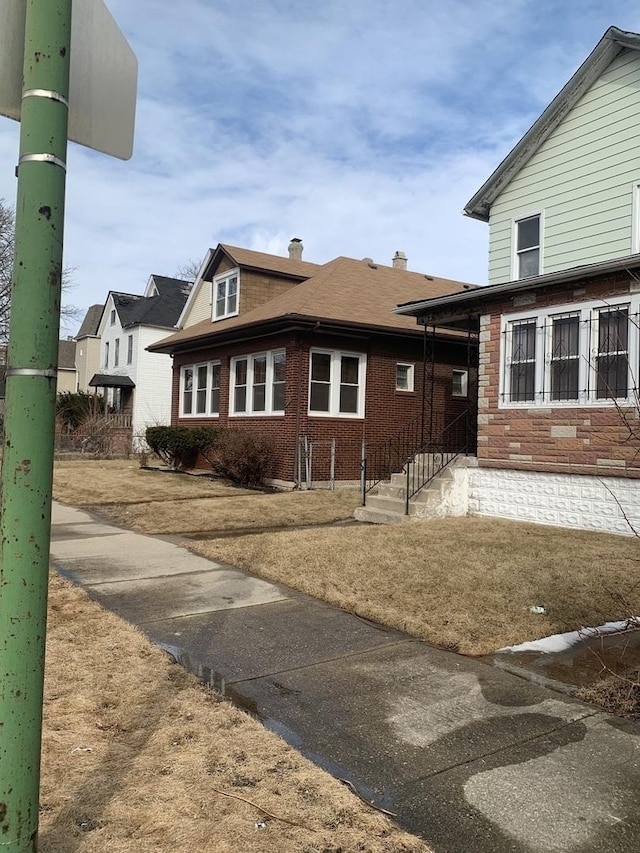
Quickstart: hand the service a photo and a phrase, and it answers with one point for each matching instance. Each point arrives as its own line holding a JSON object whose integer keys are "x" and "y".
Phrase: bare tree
{"x": 189, "y": 270}
{"x": 68, "y": 313}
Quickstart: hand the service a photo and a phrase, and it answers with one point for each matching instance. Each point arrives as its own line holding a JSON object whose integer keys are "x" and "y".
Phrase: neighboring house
{"x": 559, "y": 343}
{"x": 569, "y": 192}
{"x": 67, "y": 372}
{"x": 137, "y": 383}
{"x": 88, "y": 347}
{"x": 313, "y": 356}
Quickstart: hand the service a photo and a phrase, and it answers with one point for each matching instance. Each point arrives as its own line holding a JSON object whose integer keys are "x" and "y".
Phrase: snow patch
{"x": 562, "y": 642}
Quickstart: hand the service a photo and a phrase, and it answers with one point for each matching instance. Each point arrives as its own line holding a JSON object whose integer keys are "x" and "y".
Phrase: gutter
{"x": 468, "y": 298}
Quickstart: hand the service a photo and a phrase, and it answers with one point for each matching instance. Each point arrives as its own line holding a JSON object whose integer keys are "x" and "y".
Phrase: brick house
{"x": 313, "y": 356}
{"x": 559, "y": 326}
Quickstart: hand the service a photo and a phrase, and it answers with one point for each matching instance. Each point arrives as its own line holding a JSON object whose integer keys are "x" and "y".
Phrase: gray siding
{"x": 581, "y": 178}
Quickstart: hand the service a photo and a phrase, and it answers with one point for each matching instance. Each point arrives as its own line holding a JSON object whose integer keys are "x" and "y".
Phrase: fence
{"x": 323, "y": 462}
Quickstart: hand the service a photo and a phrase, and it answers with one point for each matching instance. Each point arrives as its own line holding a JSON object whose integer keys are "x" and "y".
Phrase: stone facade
{"x": 582, "y": 439}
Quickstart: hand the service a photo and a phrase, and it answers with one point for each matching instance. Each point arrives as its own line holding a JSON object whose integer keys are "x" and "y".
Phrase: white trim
{"x": 410, "y": 377}
{"x": 464, "y": 384}
{"x": 515, "y": 257}
{"x": 269, "y": 383}
{"x": 334, "y": 384}
{"x": 588, "y": 351}
{"x": 225, "y": 278}
{"x": 208, "y": 389}
{"x": 635, "y": 218}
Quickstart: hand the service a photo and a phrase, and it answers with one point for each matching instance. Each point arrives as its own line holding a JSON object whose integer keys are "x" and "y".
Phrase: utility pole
{"x": 27, "y": 464}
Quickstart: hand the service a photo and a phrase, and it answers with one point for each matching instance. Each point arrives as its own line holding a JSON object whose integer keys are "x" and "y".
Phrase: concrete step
{"x": 389, "y": 490}
{"x": 385, "y": 503}
{"x": 377, "y": 516}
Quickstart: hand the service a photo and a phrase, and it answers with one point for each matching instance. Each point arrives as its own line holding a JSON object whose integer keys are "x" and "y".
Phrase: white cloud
{"x": 362, "y": 127}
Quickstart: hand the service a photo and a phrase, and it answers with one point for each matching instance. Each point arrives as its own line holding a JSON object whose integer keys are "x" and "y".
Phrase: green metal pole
{"x": 27, "y": 465}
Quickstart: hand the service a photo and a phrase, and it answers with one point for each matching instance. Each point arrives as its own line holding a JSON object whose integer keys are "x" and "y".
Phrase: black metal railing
{"x": 421, "y": 453}
{"x": 428, "y": 461}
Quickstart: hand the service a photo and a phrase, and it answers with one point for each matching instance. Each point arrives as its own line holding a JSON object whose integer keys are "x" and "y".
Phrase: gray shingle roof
{"x": 161, "y": 310}
{"x": 67, "y": 355}
{"x": 91, "y": 322}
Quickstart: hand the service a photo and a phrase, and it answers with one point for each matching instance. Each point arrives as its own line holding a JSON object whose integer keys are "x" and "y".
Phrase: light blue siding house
{"x": 558, "y": 326}
{"x": 568, "y": 194}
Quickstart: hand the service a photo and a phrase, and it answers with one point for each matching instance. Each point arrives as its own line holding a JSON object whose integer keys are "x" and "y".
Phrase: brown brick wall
{"x": 580, "y": 439}
{"x": 387, "y": 410}
{"x": 256, "y": 288}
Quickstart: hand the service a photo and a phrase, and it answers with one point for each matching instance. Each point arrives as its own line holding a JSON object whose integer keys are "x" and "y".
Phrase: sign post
{"x": 27, "y": 464}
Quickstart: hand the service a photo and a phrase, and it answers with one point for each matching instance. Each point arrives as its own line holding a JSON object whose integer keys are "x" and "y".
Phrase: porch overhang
{"x": 106, "y": 380}
{"x": 458, "y": 310}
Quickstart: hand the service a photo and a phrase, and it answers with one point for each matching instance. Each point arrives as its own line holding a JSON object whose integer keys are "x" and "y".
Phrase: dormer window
{"x": 225, "y": 295}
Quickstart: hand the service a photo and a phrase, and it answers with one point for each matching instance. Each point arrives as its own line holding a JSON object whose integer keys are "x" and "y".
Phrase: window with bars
{"x": 564, "y": 357}
{"x": 586, "y": 355}
{"x": 612, "y": 360}
{"x": 522, "y": 368}
{"x": 258, "y": 383}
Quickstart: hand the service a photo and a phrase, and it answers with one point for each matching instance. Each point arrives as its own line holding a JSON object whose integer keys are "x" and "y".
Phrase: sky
{"x": 360, "y": 126}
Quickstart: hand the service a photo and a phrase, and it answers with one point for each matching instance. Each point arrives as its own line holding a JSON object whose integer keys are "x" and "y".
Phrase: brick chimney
{"x": 295, "y": 249}
{"x": 399, "y": 261}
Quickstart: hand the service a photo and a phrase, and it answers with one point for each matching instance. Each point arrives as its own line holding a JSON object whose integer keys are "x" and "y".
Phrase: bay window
{"x": 258, "y": 383}
{"x": 583, "y": 355}
{"x": 200, "y": 390}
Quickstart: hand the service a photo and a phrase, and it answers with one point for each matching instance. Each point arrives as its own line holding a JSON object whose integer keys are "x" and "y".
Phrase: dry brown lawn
{"x": 459, "y": 583}
{"x": 138, "y": 757}
{"x": 157, "y": 502}
{"x": 112, "y": 481}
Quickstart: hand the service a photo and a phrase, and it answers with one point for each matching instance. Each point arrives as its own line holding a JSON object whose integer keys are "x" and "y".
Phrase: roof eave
{"x": 469, "y": 298}
{"x": 609, "y": 46}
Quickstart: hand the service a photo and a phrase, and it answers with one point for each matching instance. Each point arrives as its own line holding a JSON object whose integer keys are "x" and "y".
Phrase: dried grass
{"x": 111, "y": 481}
{"x": 462, "y": 583}
{"x": 138, "y": 757}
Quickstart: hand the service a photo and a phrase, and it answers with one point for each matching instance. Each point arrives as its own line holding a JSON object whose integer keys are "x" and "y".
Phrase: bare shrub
{"x": 244, "y": 457}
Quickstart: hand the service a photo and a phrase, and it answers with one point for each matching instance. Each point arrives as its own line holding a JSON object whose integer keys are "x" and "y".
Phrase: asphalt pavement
{"x": 472, "y": 758}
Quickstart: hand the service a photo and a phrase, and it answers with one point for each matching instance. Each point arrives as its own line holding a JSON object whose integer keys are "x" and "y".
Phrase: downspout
{"x": 296, "y": 456}
{"x": 424, "y": 382}
{"x": 433, "y": 379}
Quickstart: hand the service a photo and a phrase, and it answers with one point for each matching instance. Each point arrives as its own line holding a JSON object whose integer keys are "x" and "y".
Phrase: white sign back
{"x": 103, "y": 75}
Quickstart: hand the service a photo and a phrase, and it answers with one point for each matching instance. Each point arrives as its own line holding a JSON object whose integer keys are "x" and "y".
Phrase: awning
{"x": 106, "y": 380}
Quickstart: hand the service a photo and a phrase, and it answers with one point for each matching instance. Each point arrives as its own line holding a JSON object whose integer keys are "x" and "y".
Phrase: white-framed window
{"x": 459, "y": 383}
{"x": 116, "y": 352}
{"x": 129, "y": 349}
{"x": 112, "y": 317}
{"x": 337, "y": 383}
{"x": 106, "y": 354}
{"x": 226, "y": 295}
{"x": 526, "y": 258}
{"x": 404, "y": 377}
{"x": 574, "y": 355}
{"x": 200, "y": 390}
{"x": 257, "y": 383}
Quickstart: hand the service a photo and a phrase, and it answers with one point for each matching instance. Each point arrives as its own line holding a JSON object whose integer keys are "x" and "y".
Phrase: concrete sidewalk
{"x": 469, "y": 757}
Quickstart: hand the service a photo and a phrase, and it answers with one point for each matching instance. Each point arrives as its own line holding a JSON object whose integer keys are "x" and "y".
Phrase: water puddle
{"x": 584, "y": 663}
